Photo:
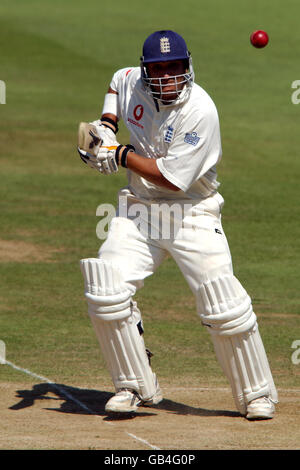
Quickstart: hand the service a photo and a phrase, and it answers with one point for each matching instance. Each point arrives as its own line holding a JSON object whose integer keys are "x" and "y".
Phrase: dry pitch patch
{"x": 38, "y": 416}
{"x": 24, "y": 252}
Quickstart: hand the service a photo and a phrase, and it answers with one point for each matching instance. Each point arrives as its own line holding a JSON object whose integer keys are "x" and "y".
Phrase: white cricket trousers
{"x": 197, "y": 242}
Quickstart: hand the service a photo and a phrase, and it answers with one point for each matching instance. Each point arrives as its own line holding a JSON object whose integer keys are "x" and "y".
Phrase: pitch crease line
{"x": 70, "y": 397}
{"x": 224, "y": 389}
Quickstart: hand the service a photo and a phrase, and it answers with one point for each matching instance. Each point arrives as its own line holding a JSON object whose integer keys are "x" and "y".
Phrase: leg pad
{"x": 226, "y": 310}
{"x": 115, "y": 322}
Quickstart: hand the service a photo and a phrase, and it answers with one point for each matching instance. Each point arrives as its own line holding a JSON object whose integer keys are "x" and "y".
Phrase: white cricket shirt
{"x": 184, "y": 139}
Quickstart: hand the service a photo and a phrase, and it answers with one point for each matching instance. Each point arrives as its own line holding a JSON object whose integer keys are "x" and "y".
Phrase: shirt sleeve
{"x": 115, "y": 81}
{"x": 118, "y": 84}
{"x": 195, "y": 149}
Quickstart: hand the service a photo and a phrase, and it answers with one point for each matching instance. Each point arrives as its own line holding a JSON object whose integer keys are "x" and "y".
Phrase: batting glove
{"x": 106, "y": 166}
{"x": 110, "y": 158}
{"x": 92, "y": 137}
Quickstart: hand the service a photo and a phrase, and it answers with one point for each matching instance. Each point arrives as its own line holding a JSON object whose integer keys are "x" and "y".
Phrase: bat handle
{"x": 110, "y": 147}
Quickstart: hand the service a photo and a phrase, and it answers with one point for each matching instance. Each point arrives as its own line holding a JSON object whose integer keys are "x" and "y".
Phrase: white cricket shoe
{"x": 124, "y": 401}
{"x": 260, "y": 408}
{"x": 128, "y": 401}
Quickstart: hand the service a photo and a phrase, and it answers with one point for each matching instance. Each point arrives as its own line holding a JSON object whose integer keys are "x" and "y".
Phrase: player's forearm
{"x": 147, "y": 168}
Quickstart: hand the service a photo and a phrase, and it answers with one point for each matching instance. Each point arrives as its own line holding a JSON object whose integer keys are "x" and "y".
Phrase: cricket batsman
{"x": 175, "y": 146}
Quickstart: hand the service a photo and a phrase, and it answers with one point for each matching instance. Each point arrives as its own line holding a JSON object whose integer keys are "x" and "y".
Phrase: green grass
{"x": 57, "y": 59}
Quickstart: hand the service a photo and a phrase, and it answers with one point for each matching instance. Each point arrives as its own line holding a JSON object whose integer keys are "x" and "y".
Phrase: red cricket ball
{"x": 259, "y": 38}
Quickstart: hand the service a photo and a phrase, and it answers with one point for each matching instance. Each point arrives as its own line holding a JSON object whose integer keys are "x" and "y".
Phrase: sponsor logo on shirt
{"x": 138, "y": 114}
{"x": 169, "y": 134}
{"x": 191, "y": 138}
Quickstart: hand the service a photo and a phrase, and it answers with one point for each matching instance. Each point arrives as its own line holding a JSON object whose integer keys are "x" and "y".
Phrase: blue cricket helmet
{"x": 164, "y": 46}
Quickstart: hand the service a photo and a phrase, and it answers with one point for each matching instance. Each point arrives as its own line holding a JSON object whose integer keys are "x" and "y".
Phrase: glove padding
{"x": 106, "y": 159}
{"x": 96, "y": 147}
{"x": 111, "y": 157}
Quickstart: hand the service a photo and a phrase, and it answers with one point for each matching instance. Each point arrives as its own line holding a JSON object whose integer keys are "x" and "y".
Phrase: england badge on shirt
{"x": 169, "y": 134}
{"x": 191, "y": 138}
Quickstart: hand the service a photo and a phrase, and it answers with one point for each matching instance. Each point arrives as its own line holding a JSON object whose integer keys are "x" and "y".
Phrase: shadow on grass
{"x": 86, "y": 401}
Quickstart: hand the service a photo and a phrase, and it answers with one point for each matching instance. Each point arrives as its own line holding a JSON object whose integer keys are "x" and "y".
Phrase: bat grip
{"x": 109, "y": 147}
